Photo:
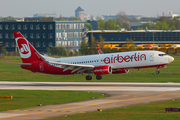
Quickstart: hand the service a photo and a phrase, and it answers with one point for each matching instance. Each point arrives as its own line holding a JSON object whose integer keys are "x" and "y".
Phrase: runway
{"x": 120, "y": 95}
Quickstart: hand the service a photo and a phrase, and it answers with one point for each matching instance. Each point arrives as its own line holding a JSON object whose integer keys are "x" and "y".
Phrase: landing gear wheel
{"x": 98, "y": 77}
{"x": 88, "y": 77}
{"x": 157, "y": 71}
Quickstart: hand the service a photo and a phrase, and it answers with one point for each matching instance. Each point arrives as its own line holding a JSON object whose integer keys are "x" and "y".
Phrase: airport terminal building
{"x": 138, "y": 36}
{"x": 43, "y": 33}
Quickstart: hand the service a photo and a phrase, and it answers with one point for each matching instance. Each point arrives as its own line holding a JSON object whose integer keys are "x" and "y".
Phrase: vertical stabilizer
{"x": 27, "y": 52}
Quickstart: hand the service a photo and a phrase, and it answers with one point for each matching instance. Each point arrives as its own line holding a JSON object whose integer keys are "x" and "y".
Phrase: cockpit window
{"x": 162, "y": 54}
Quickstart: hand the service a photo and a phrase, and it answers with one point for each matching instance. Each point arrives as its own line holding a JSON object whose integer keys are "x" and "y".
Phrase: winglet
{"x": 99, "y": 50}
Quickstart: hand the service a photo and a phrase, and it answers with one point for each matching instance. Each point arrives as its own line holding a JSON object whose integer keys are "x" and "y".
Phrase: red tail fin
{"x": 99, "y": 50}
{"x": 27, "y": 52}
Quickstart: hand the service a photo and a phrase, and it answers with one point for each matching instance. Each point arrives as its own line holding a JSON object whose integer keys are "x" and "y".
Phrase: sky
{"x": 66, "y": 8}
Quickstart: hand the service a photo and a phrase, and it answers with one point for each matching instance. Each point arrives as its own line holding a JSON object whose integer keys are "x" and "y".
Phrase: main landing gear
{"x": 89, "y": 77}
{"x": 98, "y": 77}
{"x": 157, "y": 71}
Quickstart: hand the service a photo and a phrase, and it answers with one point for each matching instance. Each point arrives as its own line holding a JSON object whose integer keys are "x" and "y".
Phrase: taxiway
{"x": 120, "y": 95}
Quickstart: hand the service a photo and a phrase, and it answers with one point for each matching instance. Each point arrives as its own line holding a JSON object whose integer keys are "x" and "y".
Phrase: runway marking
{"x": 91, "y": 105}
{"x": 21, "y": 115}
{"x": 47, "y": 111}
{"x": 119, "y": 101}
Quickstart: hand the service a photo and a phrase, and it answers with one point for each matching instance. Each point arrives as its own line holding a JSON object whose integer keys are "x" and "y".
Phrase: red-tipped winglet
{"x": 99, "y": 50}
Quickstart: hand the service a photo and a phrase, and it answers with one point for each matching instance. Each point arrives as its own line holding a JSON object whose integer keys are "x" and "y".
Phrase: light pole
{"x": 153, "y": 41}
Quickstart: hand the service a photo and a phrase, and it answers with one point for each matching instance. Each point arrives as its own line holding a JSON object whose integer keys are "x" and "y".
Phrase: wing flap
{"x": 67, "y": 64}
{"x": 73, "y": 67}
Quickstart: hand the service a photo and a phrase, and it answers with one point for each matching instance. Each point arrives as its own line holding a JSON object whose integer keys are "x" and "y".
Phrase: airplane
{"x": 100, "y": 64}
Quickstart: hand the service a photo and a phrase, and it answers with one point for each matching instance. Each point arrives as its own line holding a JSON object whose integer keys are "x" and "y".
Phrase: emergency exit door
{"x": 151, "y": 56}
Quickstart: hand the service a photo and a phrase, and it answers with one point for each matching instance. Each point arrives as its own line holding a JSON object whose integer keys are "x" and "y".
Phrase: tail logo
{"x": 24, "y": 48}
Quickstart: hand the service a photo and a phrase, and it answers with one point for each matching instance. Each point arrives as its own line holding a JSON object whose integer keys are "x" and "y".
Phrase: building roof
{"x": 79, "y": 9}
{"x": 119, "y": 31}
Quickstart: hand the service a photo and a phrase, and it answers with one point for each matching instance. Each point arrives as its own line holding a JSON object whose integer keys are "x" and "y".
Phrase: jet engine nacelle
{"x": 101, "y": 70}
{"x": 120, "y": 71}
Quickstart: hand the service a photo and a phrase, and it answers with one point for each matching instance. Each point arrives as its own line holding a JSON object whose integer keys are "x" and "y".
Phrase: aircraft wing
{"x": 74, "y": 67}
{"x": 24, "y": 64}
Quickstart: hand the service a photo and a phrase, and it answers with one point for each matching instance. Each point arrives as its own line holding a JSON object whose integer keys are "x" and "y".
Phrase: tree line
{"x": 163, "y": 23}
{"x": 91, "y": 48}
{"x": 85, "y": 48}
{"x": 122, "y": 20}
{"x": 61, "y": 51}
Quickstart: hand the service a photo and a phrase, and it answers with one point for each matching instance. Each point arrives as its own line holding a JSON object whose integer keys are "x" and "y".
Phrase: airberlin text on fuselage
{"x": 127, "y": 58}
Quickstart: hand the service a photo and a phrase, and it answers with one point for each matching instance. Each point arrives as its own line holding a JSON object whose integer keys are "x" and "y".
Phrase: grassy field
{"x": 149, "y": 111}
{"x": 31, "y": 98}
{"x": 10, "y": 72}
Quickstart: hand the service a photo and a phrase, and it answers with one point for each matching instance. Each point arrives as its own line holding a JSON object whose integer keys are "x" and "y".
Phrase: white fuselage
{"x": 122, "y": 60}
{"x": 101, "y": 64}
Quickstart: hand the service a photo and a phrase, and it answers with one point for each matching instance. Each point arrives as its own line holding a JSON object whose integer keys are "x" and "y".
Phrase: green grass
{"x": 10, "y": 72}
{"x": 31, "y": 98}
{"x": 149, "y": 111}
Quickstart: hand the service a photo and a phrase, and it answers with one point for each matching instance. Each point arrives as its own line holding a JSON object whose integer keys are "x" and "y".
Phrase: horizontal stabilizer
{"x": 23, "y": 64}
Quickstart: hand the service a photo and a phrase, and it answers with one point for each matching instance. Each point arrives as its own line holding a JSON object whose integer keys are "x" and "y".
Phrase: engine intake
{"x": 101, "y": 70}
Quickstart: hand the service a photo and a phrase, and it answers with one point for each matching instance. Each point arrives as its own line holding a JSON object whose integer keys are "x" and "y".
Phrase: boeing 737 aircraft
{"x": 101, "y": 64}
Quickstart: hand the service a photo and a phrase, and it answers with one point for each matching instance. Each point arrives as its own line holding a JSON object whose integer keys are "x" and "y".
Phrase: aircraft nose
{"x": 170, "y": 59}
